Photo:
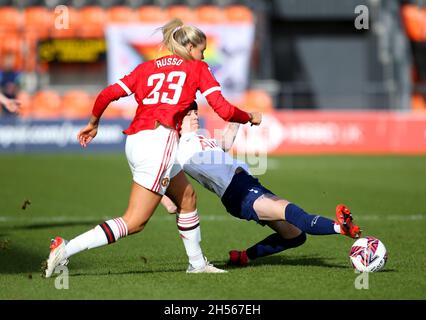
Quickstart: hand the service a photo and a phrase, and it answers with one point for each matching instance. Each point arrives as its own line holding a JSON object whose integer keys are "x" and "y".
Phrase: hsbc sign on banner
{"x": 299, "y": 132}
{"x": 284, "y": 132}
{"x": 228, "y": 52}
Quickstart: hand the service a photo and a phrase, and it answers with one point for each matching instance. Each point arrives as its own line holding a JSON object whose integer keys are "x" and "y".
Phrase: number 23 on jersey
{"x": 174, "y": 81}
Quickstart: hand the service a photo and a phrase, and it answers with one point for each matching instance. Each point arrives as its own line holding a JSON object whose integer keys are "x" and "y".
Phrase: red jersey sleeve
{"x": 105, "y": 97}
{"x": 128, "y": 82}
{"x": 211, "y": 90}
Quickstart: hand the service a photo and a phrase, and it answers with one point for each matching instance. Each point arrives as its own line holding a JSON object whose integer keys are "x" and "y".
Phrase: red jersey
{"x": 164, "y": 89}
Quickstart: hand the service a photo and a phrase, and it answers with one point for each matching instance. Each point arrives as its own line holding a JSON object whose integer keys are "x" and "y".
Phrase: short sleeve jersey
{"x": 164, "y": 89}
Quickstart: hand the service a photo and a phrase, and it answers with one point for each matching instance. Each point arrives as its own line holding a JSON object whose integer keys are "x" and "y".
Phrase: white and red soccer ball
{"x": 368, "y": 254}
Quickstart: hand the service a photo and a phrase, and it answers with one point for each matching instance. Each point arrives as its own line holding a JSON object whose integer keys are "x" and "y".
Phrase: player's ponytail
{"x": 176, "y": 36}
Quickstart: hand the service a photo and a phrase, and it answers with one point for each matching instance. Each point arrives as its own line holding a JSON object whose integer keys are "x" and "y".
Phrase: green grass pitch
{"x": 71, "y": 193}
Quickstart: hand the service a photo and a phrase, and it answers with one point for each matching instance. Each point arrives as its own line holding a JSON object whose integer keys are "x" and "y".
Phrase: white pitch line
{"x": 32, "y": 219}
{"x": 392, "y": 217}
{"x": 93, "y": 218}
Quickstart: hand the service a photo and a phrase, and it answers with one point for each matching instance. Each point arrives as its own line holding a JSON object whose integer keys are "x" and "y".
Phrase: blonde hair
{"x": 176, "y": 36}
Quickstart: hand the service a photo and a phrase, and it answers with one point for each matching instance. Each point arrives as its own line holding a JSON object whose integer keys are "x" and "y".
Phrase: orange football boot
{"x": 344, "y": 219}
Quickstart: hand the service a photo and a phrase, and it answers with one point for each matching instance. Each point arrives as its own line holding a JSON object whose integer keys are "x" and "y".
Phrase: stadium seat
{"x": 414, "y": 20}
{"x": 59, "y": 29}
{"x": 257, "y": 100}
{"x": 418, "y": 103}
{"x": 25, "y": 110}
{"x": 210, "y": 14}
{"x": 121, "y": 14}
{"x": 11, "y": 20}
{"x": 424, "y": 23}
{"x": 152, "y": 14}
{"x": 76, "y": 104}
{"x": 94, "y": 18}
{"x": 11, "y": 44}
{"x": 238, "y": 14}
{"x": 38, "y": 21}
{"x": 185, "y": 13}
{"x": 46, "y": 105}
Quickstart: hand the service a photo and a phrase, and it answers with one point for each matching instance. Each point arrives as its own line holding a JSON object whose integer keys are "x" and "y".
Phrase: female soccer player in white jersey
{"x": 164, "y": 89}
{"x": 207, "y": 161}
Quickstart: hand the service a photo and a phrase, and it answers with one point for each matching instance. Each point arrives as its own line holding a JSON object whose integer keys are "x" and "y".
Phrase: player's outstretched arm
{"x": 168, "y": 204}
{"x": 230, "y": 132}
{"x": 228, "y": 136}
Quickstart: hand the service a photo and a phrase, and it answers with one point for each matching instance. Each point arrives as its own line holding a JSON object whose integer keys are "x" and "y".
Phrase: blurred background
{"x": 330, "y": 75}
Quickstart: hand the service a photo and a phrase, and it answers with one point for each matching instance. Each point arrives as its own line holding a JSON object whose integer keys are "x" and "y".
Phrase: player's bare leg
{"x": 142, "y": 204}
{"x": 181, "y": 192}
{"x": 270, "y": 207}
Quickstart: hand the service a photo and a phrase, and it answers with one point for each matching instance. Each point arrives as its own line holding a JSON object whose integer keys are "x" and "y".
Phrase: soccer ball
{"x": 368, "y": 254}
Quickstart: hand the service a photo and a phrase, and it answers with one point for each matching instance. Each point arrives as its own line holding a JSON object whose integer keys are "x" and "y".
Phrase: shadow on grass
{"x": 272, "y": 260}
{"x": 387, "y": 270}
{"x": 16, "y": 260}
{"x": 315, "y": 261}
{"x": 128, "y": 272}
{"x": 37, "y": 226}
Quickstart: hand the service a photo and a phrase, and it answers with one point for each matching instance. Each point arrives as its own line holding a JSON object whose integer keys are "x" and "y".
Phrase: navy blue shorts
{"x": 240, "y": 195}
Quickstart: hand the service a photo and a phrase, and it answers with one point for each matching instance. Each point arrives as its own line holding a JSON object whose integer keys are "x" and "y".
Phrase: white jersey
{"x": 207, "y": 163}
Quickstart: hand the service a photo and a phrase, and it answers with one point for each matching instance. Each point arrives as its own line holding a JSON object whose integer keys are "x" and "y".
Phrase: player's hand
{"x": 255, "y": 118}
{"x": 12, "y": 105}
{"x": 87, "y": 134}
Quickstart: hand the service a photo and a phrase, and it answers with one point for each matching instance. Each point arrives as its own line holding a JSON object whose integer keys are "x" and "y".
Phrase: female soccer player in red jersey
{"x": 164, "y": 89}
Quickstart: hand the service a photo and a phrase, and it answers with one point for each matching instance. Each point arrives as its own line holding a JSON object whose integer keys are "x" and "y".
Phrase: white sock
{"x": 189, "y": 229}
{"x": 337, "y": 228}
{"x": 105, "y": 233}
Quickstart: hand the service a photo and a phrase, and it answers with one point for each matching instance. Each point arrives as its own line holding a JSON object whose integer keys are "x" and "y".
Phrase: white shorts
{"x": 152, "y": 158}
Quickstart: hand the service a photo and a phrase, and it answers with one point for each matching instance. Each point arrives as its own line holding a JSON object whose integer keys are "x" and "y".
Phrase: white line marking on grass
{"x": 413, "y": 217}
